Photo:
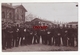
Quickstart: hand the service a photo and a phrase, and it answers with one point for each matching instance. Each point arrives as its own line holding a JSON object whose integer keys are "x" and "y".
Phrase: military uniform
{"x": 16, "y": 36}
{"x": 57, "y": 36}
{"x": 9, "y": 32}
{"x": 49, "y": 36}
{"x": 70, "y": 36}
{"x": 38, "y": 34}
{"x": 64, "y": 36}
{"x": 3, "y": 38}
{"x": 43, "y": 34}
{"x": 76, "y": 35}
{"x": 30, "y": 37}
{"x": 21, "y": 35}
{"x": 26, "y": 34}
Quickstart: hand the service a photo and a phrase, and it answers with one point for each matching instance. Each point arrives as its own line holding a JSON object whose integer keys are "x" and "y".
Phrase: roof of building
{"x": 41, "y": 20}
{"x": 7, "y": 5}
{"x": 21, "y": 6}
{"x": 73, "y": 23}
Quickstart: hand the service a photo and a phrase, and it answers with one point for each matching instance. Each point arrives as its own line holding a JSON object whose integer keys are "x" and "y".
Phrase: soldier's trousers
{"x": 26, "y": 40}
{"x": 8, "y": 40}
{"x": 76, "y": 42}
{"x": 57, "y": 41}
{"x": 53, "y": 40}
{"x": 49, "y": 40}
{"x": 3, "y": 43}
{"x": 43, "y": 39}
{"x": 72, "y": 41}
{"x": 36, "y": 40}
{"x": 30, "y": 39}
{"x": 64, "y": 40}
{"x": 21, "y": 43}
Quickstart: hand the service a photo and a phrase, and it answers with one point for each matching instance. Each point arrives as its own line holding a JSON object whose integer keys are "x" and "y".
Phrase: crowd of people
{"x": 20, "y": 35}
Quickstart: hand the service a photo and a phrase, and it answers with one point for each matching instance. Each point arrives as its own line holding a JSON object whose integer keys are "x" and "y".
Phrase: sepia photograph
{"x": 39, "y": 26}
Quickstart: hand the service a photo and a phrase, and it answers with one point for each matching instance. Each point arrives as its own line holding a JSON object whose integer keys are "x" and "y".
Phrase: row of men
{"x": 13, "y": 36}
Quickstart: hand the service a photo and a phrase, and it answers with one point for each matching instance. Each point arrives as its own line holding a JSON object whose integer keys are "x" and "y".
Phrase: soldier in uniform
{"x": 35, "y": 37}
{"x": 55, "y": 35}
{"x": 21, "y": 34}
{"x": 26, "y": 34}
{"x": 30, "y": 37}
{"x": 38, "y": 34}
{"x": 9, "y": 32}
{"x": 64, "y": 35}
{"x": 58, "y": 41}
{"x": 49, "y": 36}
{"x": 70, "y": 36}
{"x": 43, "y": 34}
{"x": 16, "y": 33}
{"x": 76, "y": 35}
{"x": 52, "y": 33}
{"x": 3, "y": 37}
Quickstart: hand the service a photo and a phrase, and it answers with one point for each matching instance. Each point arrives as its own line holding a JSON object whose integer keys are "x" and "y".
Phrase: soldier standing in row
{"x": 17, "y": 35}
{"x": 70, "y": 36}
{"x": 43, "y": 34}
{"x": 3, "y": 37}
{"x": 49, "y": 36}
{"x": 76, "y": 35}
{"x": 57, "y": 36}
{"x": 26, "y": 34}
{"x": 9, "y": 35}
{"x": 30, "y": 37}
{"x": 38, "y": 34}
{"x": 21, "y": 34}
{"x": 64, "y": 35}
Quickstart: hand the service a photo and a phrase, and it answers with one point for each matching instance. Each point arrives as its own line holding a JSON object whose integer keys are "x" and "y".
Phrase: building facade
{"x": 7, "y": 12}
{"x": 19, "y": 13}
{"x": 13, "y": 13}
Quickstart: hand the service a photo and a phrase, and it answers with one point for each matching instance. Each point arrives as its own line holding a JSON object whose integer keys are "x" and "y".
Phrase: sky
{"x": 53, "y": 11}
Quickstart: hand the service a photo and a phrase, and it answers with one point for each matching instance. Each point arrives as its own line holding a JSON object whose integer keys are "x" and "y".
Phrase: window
{"x": 10, "y": 15}
{"x": 22, "y": 17}
{"x": 17, "y": 17}
{"x": 3, "y": 14}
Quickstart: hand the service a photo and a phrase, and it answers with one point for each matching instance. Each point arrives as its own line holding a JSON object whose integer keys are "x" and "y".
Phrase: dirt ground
{"x": 40, "y": 48}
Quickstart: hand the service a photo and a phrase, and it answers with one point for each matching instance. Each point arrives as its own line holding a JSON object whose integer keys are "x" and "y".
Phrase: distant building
{"x": 19, "y": 13}
{"x": 73, "y": 24}
{"x": 7, "y": 12}
{"x": 41, "y": 22}
{"x": 13, "y": 13}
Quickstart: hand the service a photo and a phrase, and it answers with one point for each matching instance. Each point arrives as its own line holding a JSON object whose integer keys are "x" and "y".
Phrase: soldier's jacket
{"x": 16, "y": 32}
{"x": 21, "y": 32}
{"x": 59, "y": 31}
{"x": 43, "y": 32}
{"x": 76, "y": 32}
{"x": 9, "y": 32}
{"x": 71, "y": 32}
{"x": 30, "y": 30}
{"x": 3, "y": 33}
{"x": 64, "y": 32}
{"x": 55, "y": 32}
{"x": 26, "y": 32}
{"x": 49, "y": 32}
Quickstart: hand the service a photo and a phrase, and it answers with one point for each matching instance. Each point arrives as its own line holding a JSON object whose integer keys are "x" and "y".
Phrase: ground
{"x": 40, "y": 47}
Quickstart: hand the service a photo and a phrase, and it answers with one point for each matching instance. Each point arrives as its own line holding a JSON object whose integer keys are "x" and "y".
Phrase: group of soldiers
{"x": 20, "y": 35}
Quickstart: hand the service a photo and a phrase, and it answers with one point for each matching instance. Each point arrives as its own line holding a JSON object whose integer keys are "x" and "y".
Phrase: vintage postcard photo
{"x": 39, "y": 26}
